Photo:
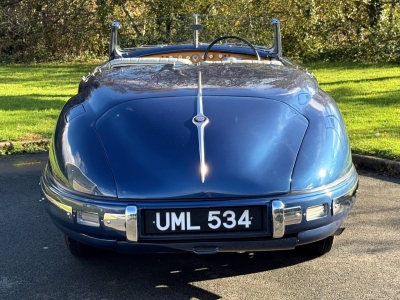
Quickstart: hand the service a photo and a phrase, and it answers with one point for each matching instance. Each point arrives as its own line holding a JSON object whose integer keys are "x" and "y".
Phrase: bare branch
{"x": 131, "y": 19}
{"x": 4, "y": 23}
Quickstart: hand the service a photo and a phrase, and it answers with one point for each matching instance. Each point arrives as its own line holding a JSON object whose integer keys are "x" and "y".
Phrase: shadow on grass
{"x": 348, "y": 95}
{"x": 43, "y": 73}
{"x": 32, "y": 102}
{"x": 39, "y": 67}
{"x": 378, "y": 79}
{"x": 340, "y": 66}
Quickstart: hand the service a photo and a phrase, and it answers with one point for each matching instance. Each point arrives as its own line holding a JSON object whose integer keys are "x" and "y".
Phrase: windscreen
{"x": 179, "y": 30}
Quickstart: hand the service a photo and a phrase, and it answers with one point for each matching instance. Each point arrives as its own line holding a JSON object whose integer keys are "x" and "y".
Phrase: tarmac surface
{"x": 35, "y": 264}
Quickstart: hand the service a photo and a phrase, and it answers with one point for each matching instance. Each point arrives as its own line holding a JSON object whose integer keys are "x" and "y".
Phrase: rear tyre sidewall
{"x": 318, "y": 248}
{"x": 78, "y": 249}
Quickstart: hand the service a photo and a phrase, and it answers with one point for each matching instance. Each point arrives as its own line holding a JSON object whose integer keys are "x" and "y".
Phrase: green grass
{"x": 368, "y": 95}
{"x": 31, "y": 98}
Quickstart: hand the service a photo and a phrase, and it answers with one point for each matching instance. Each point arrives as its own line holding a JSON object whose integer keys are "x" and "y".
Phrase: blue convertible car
{"x": 194, "y": 146}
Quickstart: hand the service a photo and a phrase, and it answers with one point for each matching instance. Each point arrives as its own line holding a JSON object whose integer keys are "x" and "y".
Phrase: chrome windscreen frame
{"x": 196, "y": 27}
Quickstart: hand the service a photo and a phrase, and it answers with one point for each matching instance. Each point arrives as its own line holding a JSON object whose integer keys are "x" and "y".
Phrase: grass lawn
{"x": 367, "y": 94}
{"x": 31, "y": 98}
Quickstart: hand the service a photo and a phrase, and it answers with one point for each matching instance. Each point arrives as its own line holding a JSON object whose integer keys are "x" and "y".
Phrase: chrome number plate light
{"x": 88, "y": 218}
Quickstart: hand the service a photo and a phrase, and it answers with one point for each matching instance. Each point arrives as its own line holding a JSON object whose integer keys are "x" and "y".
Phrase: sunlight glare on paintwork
{"x": 322, "y": 173}
{"x": 316, "y": 105}
{"x": 203, "y": 171}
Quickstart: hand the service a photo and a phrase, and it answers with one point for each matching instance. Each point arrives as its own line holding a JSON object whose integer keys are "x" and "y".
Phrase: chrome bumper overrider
{"x": 288, "y": 216}
{"x": 278, "y": 219}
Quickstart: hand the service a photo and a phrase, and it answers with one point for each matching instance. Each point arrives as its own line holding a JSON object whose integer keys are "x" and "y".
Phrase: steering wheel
{"x": 231, "y": 37}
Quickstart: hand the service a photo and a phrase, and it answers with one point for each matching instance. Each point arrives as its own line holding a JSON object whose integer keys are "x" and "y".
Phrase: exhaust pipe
{"x": 339, "y": 231}
{"x": 205, "y": 250}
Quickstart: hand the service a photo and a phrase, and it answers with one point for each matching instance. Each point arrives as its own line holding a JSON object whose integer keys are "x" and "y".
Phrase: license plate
{"x": 203, "y": 220}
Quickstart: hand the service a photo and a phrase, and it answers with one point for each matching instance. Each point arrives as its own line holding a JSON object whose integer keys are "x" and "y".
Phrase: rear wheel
{"x": 318, "y": 248}
{"x": 78, "y": 249}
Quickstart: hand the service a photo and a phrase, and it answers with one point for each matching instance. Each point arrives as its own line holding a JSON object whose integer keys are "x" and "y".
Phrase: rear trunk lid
{"x": 250, "y": 147}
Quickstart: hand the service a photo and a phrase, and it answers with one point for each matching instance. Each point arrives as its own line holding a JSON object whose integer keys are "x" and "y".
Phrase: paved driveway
{"x": 34, "y": 263}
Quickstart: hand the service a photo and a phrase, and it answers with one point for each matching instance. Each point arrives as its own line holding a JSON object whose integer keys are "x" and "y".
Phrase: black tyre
{"x": 78, "y": 249}
{"x": 318, "y": 248}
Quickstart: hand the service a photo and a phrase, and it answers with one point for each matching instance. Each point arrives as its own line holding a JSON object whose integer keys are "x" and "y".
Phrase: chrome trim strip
{"x": 115, "y": 221}
{"x": 132, "y": 61}
{"x": 338, "y": 181}
{"x": 278, "y": 219}
{"x": 131, "y": 223}
{"x": 200, "y": 120}
{"x": 66, "y": 208}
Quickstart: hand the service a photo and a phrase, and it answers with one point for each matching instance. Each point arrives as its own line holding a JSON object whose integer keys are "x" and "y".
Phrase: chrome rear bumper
{"x": 116, "y": 224}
